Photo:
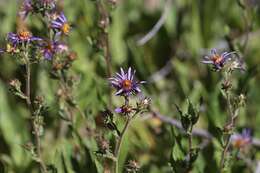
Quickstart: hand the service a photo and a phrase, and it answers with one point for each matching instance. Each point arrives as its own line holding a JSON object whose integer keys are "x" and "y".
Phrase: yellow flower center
{"x": 24, "y": 35}
{"x": 65, "y": 28}
{"x": 127, "y": 84}
{"x": 239, "y": 143}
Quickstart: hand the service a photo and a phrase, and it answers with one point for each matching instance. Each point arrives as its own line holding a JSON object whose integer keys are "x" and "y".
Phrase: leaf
{"x": 193, "y": 113}
{"x": 185, "y": 122}
{"x": 178, "y": 109}
{"x": 177, "y": 161}
{"x": 218, "y": 134}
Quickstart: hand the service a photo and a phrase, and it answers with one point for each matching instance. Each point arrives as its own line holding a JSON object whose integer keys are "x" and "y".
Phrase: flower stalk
{"x": 36, "y": 131}
{"x": 125, "y": 86}
{"x": 119, "y": 143}
{"x": 230, "y": 126}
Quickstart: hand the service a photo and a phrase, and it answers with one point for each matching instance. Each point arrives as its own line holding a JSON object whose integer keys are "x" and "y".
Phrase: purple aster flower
{"x": 125, "y": 84}
{"x": 21, "y": 37}
{"x": 241, "y": 140}
{"x": 61, "y": 25}
{"x": 40, "y": 6}
{"x": 218, "y": 61}
{"x": 26, "y": 8}
{"x": 50, "y": 48}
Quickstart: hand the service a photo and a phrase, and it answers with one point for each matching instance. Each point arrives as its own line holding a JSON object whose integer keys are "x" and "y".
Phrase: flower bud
{"x": 226, "y": 85}
{"x": 132, "y": 166}
{"x": 15, "y": 84}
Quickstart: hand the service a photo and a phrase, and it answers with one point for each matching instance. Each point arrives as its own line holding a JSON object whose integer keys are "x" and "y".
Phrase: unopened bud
{"x": 15, "y": 84}
{"x": 226, "y": 85}
{"x": 132, "y": 166}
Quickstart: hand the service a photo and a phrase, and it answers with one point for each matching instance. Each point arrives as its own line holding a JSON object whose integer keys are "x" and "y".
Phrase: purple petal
{"x": 48, "y": 55}
{"x": 213, "y": 51}
{"x": 119, "y": 110}
{"x": 207, "y": 62}
{"x": 62, "y": 18}
{"x": 119, "y": 92}
{"x": 129, "y": 73}
{"x": 138, "y": 89}
{"x": 35, "y": 39}
{"x": 56, "y": 24}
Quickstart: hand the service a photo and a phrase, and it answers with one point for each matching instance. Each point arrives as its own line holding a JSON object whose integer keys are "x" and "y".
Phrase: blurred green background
{"x": 170, "y": 62}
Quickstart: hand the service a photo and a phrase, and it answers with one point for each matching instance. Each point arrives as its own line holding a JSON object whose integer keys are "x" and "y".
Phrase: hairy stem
{"x": 104, "y": 24}
{"x": 30, "y": 107}
{"x": 28, "y": 80}
{"x": 227, "y": 142}
{"x": 38, "y": 148}
{"x": 224, "y": 153}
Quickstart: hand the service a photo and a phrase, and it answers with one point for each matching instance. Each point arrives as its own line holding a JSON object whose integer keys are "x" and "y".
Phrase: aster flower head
{"x": 143, "y": 103}
{"x": 132, "y": 166}
{"x": 125, "y": 84}
{"x": 50, "y": 48}
{"x": 40, "y": 6}
{"x": 21, "y": 37}
{"x": 241, "y": 140}
{"x": 61, "y": 25}
{"x": 217, "y": 60}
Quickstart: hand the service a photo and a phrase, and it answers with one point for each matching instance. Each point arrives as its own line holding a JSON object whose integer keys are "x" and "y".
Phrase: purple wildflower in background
{"x": 241, "y": 140}
{"x": 26, "y": 8}
{"x": 217, "y": 60}
{"x": 125, "y": 84}
{"x": 40, "y": 6}
{"x": 61, "y": 25}
{"x": 51, "y": 48}
{"x": 21, "y": 37}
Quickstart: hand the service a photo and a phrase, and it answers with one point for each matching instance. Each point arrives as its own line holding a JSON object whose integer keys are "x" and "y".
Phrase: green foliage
{"x": 70, "y": 141}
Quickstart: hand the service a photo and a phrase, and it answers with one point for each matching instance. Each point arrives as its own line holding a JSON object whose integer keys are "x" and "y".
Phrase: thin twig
{"x": 157, "y": 26}
{"x": 195, "y": 132}
{"x": 164, "y": 71}
{"x": 104, "y": 25}
{"x": 232, "y": 117}
{"x": 224, "y": 153}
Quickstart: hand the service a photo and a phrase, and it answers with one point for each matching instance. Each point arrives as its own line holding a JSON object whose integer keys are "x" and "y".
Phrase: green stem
{"x": 227, "y": 143}
{"x": 190, "y": 144}
{"x": 28, "y": 80}
{"x": 119, "y": 143}
{"x": 30, "y": 107}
